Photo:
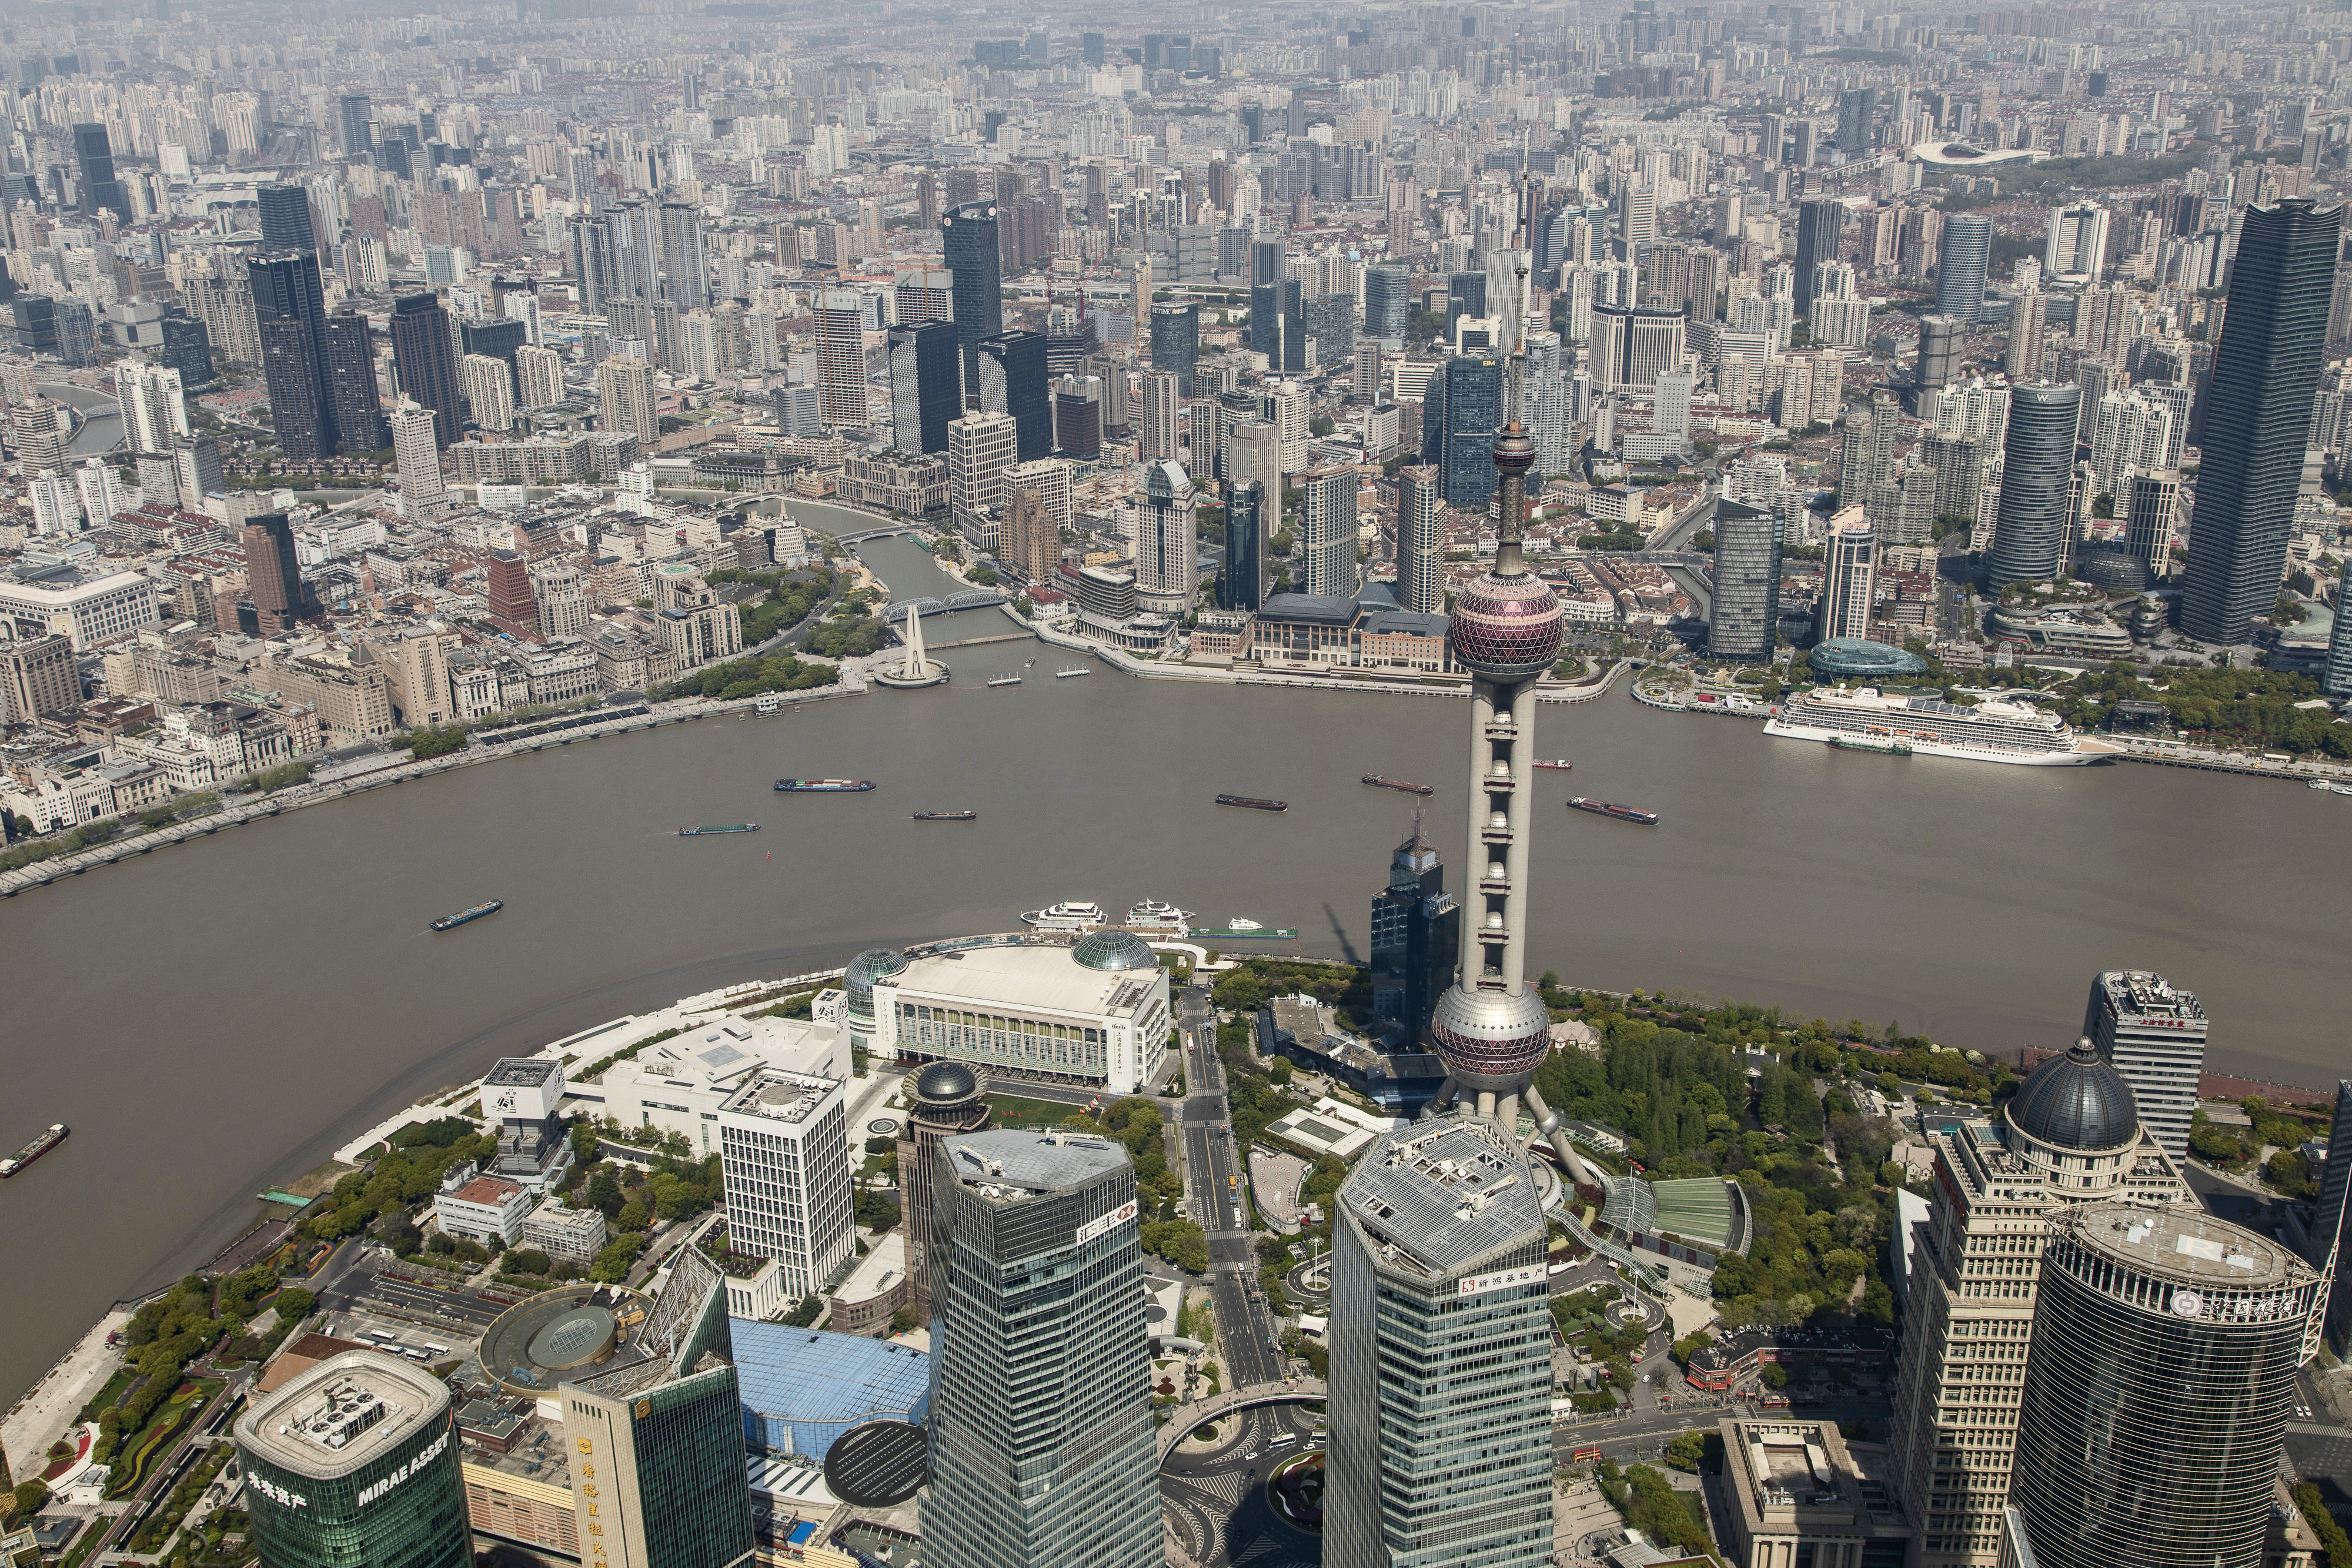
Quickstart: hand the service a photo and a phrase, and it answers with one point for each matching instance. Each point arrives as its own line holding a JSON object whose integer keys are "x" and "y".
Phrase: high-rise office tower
{"x": 513, "y": 599}
{"x": 1176, "y": 340}
{"x": 290, "y": 313}
{"x": 1821, "y": 224}
{"x": 841, "y": 357}
{"x": 2071, "y": 1137}
{"x": 2028, "y": 541}
{"x": 417, "y": 454}
{"x": 1856, "y": 109}
{"x": 2029, "y": 316}
{"x": 786, "y": 1147}
{"x": 1012, "y": 380}
{"x": 1439, "y": 1334}
{"x": 2258, "y": 415}
{"x": 1328, "y": 538}
{"x": 1163, "y": 407}
{"x": 1420, "y": 540}
{"x": 1746, "y": 610}
{"x": 425, "y": 354}
{"x": 2150, "y": 507}
{"x": 1028, "y": 539}
{"x": 2336, "y": 676}
{"x": 625, "y": 403}
{"x": 1849, "y": 583}
{"x": 1265, "y": 262}
{"x": 948, "y": 1102}
{"x": 2154, "y": 1033}
{"x": 187, "y": 348}
{"x": 1042, "y": 1452}
{"x": 967, "y": 236}
{"x": 94, "y": 155}
{"x": 1278, "y": 326}
{"x": 981, "y": 447}
{"x": 1167, "y": 550}
{"x": 1465, "y": 295}
{"x": 2332, "y": 1215}
{"x": 685, "y": 262}
{"x": 1388, "y": 302}
{"x": 1078, "y": 417}
{"x": 1254, "y": 451}
{"x": 1464, "y": 447}
{"x": 196, "y": 464}
{"x": 285, "y": 219}
{"x": 1939, "y": 351}
{"x": 925, "y": 384}
{"x": 1962, "y": 254}
{"x": 1630, "y": 348}
{"x": 654, "y": 1435}
{"x": 273, "y": 574}
{"x": 40, "y": 430}
{"x": 1416, "y": 937}
{"x": 359, "y": 132}
{"x": 350, "y": 384}
{"x": 2157, "y": 1389}
{"x": 1243, "y": 583}
{"x": 2077, "y": 247}
{"x": 356, "y": 1459}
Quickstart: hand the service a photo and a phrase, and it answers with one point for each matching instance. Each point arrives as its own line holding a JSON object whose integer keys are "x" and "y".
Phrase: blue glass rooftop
{"x": 803, "y": 1387}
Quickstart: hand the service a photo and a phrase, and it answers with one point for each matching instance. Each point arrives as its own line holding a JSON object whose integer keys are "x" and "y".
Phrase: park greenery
{"x": 739, "y": 678}
{"x": 849, "y": 637}
{"x": 1652, "y": 1505}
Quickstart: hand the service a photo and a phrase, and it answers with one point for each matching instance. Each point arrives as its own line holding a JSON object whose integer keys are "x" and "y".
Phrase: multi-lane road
{"x": 1213, "y": 1176}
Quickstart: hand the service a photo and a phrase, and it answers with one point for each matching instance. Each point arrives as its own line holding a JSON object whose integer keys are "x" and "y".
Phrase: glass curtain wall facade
{"x": 1961, "y": 256}
{"x": 2028, "y": 543}
{"x": 1745, "y": 612}
{"x": 388, "y": 1491}
{"x": 1175, "y": 344}
{"x": 926, "y": 385}
{"x": 1440, "y": 1404}
{"x": 1474, "y": 411}
{"x": 1243, "y": 586}
{"x": 1012, "y": 380}
{"x": 1042, "y": 1445}
{"x": 2156, "y": 1392}
{"x": 976, "y": 298}
{"x": 2258, "y": 417}
{"x": 289, "y": 310}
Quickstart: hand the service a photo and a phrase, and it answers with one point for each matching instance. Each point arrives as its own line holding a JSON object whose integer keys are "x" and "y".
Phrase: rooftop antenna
{"x": 1515, "y": 323}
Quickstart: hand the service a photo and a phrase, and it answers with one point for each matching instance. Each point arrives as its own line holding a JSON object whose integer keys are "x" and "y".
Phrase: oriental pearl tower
{"x": 1492, "y": 1028}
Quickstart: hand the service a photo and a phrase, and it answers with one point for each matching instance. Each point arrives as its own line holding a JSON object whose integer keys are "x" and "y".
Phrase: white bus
{"x": 381, "y": 1337}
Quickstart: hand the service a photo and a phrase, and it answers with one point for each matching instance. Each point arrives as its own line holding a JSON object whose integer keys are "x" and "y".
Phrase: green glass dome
{"x": 873, "y": 964}
{"x": 1114, "y": 950}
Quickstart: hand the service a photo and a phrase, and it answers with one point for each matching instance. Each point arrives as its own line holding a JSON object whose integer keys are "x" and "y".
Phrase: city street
{"x": 1215, "y": 1498}
{"x": 1213, "y": 1173}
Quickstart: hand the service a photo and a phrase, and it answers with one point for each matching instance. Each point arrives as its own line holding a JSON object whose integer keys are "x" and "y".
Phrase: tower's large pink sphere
{"x": 1506, "y": 628}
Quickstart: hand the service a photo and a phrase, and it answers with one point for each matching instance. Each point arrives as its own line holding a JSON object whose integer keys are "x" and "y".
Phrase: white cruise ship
{"x": 1993, "y": 731}
{"x": 1150, "y": 915}
{"x": 1070, "y": 914}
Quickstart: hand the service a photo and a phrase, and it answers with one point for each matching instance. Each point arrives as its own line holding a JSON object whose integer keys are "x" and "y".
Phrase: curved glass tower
{"x": 2037, "y": 468}
{"x": 2165, "y": 1348}
{"x": 1961, "y": 258}
{"x": 1492, "y": 1029}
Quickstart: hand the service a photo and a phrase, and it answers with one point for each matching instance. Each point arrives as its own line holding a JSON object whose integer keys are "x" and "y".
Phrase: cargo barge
{"x": 451, "y": 922}
{"x": 1610, "y": 809}
{"x": 35, "y": 1149}
{"x": 1253, "y": 802}
{"x": 823, "y": 786}
{"x": 1385, "y": 782}
{"x": 724, "y": 828}
{"x": 946, "y": 816}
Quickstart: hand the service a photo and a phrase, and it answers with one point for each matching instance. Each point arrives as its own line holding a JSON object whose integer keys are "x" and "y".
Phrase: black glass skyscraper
{"x": 1819, "y": 226}
{"x": 290, "y": 313}
{"x": 1265, "y": 262}
{"x": 925, "y": 384}
{"x": 499, "y": 339}
{"x": 285, "y": 218}
{"x": 187, "y": 348}
{"x": 100, "y": 188}
{"x": 1388, "y": 302}
{"x": 359, "y": 136}
{"x": 1961, "y": 258}
{"x": 426, "y": 358}
{"x": 1416, "y": 936}
{"x": 2258, "y": 415}
{"x": 968, "y": 235}
{"x": 2029, "y": 544}
{"x": 1242, "y": 586}
{"x": 1464, "y": 445}
{"x": 1012, "y": 380}
{"x": 1465, "y": 295}
{"x": 1176, "y": 342}
{"x": 1746, "y": 609}
{"x": 1278, "y": 326}
{"x": 351, "y": 384}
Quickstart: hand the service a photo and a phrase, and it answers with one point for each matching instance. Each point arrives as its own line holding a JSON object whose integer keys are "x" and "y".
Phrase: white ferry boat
{"x": 1150, "y": 915}
{"x": 1070, "y": 914}
{"x": 1992, "y": 731}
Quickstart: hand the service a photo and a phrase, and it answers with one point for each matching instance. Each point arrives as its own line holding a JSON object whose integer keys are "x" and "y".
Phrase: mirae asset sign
{"x": 1094, "y": 1228}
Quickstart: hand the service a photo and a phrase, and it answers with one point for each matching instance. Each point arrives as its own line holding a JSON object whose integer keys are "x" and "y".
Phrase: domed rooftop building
{"x": 2077, "y": 1125}
{"x": 1860, "y": 659}
{"x": 946, "y": 1084}
{"x": 1114, "y": 950}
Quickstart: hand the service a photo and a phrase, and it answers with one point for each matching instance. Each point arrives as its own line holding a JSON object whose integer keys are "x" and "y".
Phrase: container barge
{"x": 35, "y": 1149}
{"x": 1610, "y": 809}
{"x": 451, "y": 922}
{"x": 722, "y": 828}
{"x": 823, "y": 786}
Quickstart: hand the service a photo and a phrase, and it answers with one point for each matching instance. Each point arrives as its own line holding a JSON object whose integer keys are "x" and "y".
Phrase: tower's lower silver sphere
{"x": 1491, "y": 1040}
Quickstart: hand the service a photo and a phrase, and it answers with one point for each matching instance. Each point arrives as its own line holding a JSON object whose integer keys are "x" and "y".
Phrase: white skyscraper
{"x": 981, "y": 447}
{"x": 103, "y": 494}
{"x": 1329, "y": 541}
{"x": 1164, "y": 401}
{"x": 56, "y": 503}
{"x": 1166, "y": 552}
{"x": 422, "y": 492}
{"x": 785, "y": 1145}
{"x": 538, "y": 373}
{"x": 154, "y": 411}
{"x": 489, "y": 391}
{"x": 2154, "y": 1033}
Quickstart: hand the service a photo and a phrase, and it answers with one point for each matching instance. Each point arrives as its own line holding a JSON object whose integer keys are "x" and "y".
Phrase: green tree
{"x": 612, "y": 1264}
{"x": 527, "y": 1260}
{"x": 633, "y": 1216}
{"x": 32, "y": 1496}
{"x": 903, "y": 1319}
{"x": 294, "y": 1303}
{"x": 1776, "y": 1376}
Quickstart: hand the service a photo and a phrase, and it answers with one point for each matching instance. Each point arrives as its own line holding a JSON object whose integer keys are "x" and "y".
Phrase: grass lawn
{"x": 1012, "y": 1111}
{"x": 105, "y": 1397}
